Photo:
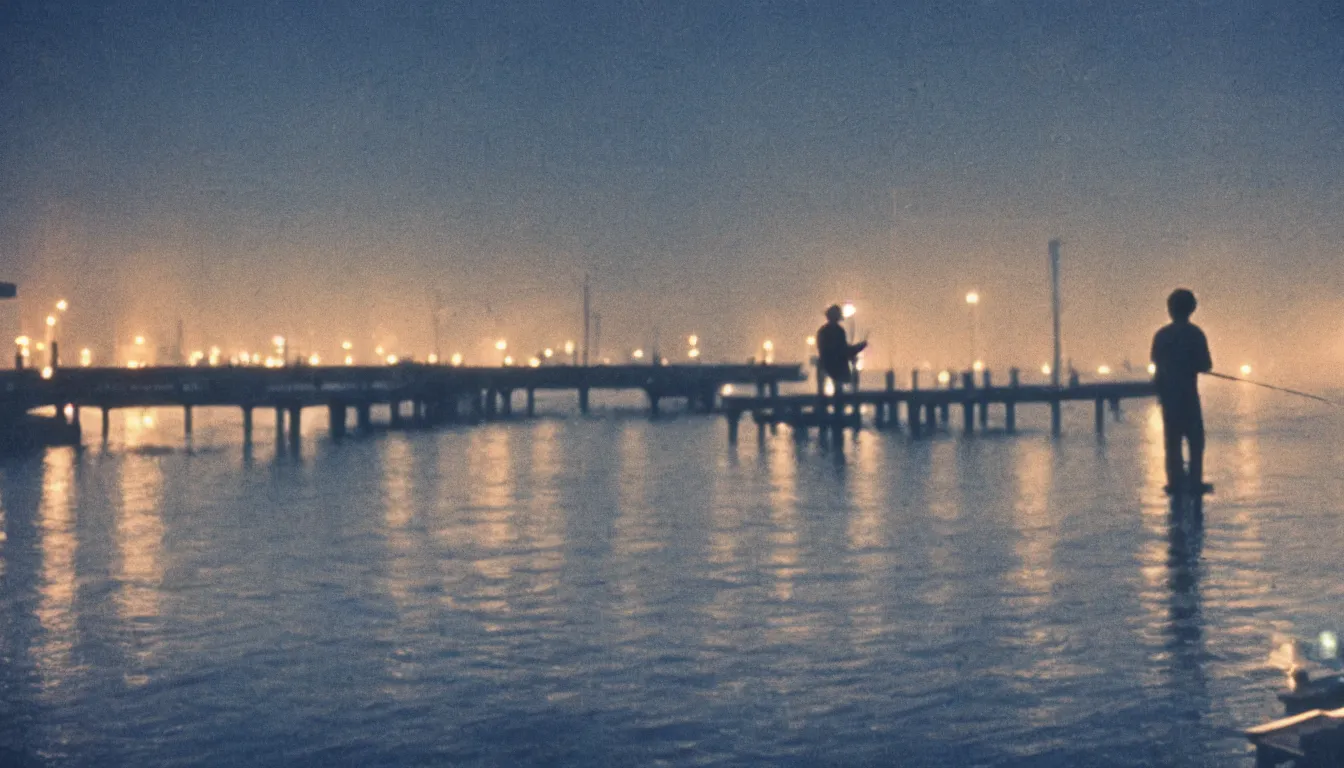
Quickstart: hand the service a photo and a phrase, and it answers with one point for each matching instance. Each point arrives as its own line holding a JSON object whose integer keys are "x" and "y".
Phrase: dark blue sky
{"x": 721, "y": 167}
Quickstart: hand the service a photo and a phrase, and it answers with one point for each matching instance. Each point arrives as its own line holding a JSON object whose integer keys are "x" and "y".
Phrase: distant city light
{"x": 314, "y": 359}
{"x": 548, "y": 353}
{"x": 391, "y": 359}
{"x": 768, "y": 346}
{"x": 347, "y": 346}
{"x": 727, "y": 389}
{"x": 214, "y": 356}
{"x": 1045, "y": 369}
{"x": 693, "y": 340}
{"x": 433, "y": 359}
{"x": 278, "y": 341}
{"x": 139, "y": 341}
{"x": 973, "y": 298}
{"x": 86, "y": 357}
{"x": 46, "y": 372}
{"x": 349, "y": 359}
{"x": 62, "y": 305}
{"x": 829, "y": 387}
{"x": 569, "y": 347}
{"x": 22, "y": 341}
{"x": 978, "y": 365}
{"x": 1246, "y": 370}
{"x": 508, "y": 360}
{"x": 944, "y": 377}
{"x": 1103, "y": 370}
{"x": 147, "y": 419}
{"x": 849, "y": 310}
{"x": 638, "y": 354}
{"x": 1152, "y": 369}
{"x": 811, "y": 341}
{"x": 379, "y": 351}
{"x": 51, "y": 321}
{"x": 1328, "y": 642}
{"x": 694, "y": 353}
{"x": 501, "y": 345}
{"x": 534, "y": 362}
{"x": 41, "y": 345}
{"x": 456, "y": 359}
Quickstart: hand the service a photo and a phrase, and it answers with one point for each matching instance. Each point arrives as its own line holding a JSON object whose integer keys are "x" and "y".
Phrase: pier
{"x": 926, "y": 411}
{"x": 414, "y": 394}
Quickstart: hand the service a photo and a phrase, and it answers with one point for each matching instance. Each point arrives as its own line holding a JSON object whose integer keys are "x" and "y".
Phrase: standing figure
{"x": 836, "y": 354}
{"x": 1180, "y": 354}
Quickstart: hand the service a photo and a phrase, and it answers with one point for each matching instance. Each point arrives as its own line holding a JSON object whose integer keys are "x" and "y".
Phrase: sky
{"x": 338, "y": 170}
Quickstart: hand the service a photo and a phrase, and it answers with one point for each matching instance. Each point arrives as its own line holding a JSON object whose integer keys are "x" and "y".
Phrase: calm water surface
{"x": 608, "y": 591}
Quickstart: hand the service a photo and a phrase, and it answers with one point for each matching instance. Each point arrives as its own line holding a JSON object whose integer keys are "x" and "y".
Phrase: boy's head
{"x": 1181, "y": 304}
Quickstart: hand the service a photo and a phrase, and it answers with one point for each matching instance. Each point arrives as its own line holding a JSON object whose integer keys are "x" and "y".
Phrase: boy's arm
{"x": 1203, "y": 360}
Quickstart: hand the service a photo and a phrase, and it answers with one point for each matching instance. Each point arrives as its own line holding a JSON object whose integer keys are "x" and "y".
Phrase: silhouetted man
{"x": 834, "y": 350}
{"x": 1180, "y": 354}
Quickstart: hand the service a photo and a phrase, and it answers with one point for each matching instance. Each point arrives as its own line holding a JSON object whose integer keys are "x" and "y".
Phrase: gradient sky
{"x": 321, "y": 169}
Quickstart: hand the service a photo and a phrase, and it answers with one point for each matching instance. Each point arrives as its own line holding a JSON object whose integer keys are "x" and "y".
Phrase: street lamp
{"x": 973, "y": 301}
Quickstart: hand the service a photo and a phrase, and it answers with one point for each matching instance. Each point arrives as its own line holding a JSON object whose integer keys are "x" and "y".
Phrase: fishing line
{"x": 1307, "y": 395}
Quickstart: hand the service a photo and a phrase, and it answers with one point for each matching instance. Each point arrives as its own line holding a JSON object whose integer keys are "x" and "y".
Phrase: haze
{"x": 322, "y": 169}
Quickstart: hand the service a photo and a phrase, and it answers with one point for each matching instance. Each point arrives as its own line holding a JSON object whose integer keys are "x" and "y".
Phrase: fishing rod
{"x": 1307, "y": 395}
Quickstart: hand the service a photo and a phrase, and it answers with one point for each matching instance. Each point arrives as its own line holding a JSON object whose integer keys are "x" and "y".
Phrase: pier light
{"x": 195, "y": 358}
{"x": 534, "y": 362}
{"x": 349, "y": 359}
{"x": 139, "y": 341}
{"x": 347, "y": 346}
{"x": 694, "y": 353}
{"x": 86, "y": 357}
{"x": 638, "y": 354}
{"x": 829, "y": 388}
{"x": 69, "y": 413}
{"x": 456, "y": 359}
{"x": 214, "y": 356}
{"x": 944, "y": 377}
{"x": 569, "y": 347}
{"x": 1103, "y": 370}
{"x": 1045, "y": 369}
{"x": 62, "y": 305}
{"x": 1152, "y": 369}
{"x": 727, "y": 389}
{"x": 508, "y": 360}
{"x": 501, "y": 345}
{"x": 51, "y": 321}
{"x": 433, "y": 359}
{"x": 391, "y": 359}
{"x": 22, "y": 341}
{"x": 1327, "y": 642}
{"x": 848, "y": 310}
{"x": 314, "y": 359}
{"x": 46, "y": 372}
{"x": 973, "y": 298}
{"x": 811, "y": 341}
{"x": 768, "y": 346}
{"x": 978, "y": 366}
{"x": 1246, "y": 370}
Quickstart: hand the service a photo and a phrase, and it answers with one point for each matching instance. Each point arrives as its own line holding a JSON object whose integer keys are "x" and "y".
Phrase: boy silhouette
{"x": 1180, "y": 353}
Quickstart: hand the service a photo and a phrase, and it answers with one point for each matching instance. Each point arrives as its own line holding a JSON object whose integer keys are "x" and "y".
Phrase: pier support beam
{"x": 984, "y": 402}
{"x": 186, "y": 422}
{"x": 506, "y": 402}
{"x": 968, "y": 402}
{"x": 1101, "y": 417}
{"x": 1010, "y": 402}
{"x": 583, "y": 404}
{"x": 336, "y": 420}
{"x": 531, "y": 402}
{"x": 363, "y": 417}
{"x": 247, "y": 427}
{"x": 914, "y": 417}
{"x": 107, "y": 423}
{"x": 295, "y": 427}
{"x": 279, "y": 424}
{"x": 733, "y": 418}
{"x": 394, "y": 414}
{"x": 1055, "y": 416}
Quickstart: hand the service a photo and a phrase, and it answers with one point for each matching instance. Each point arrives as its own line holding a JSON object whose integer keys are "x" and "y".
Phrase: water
{"x": 612, "y": 592}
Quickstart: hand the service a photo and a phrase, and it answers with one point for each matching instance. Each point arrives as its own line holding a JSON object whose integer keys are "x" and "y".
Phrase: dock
{"x": 926, "y": 411}
{"x": 414, "y": 394}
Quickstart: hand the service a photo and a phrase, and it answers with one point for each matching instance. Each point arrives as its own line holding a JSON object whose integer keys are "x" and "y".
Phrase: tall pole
{"x": 1054, "y": 306}
{"x": 587, "y": 306}
{"x": 597, "y": 337}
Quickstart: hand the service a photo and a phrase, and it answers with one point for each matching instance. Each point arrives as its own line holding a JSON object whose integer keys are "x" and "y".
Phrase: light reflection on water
{"x": 612, "y": 591}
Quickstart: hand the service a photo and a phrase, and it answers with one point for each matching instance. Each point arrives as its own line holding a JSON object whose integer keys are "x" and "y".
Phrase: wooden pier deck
{"x": 926, "y": 410}
{"x": 433, "y": 394}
